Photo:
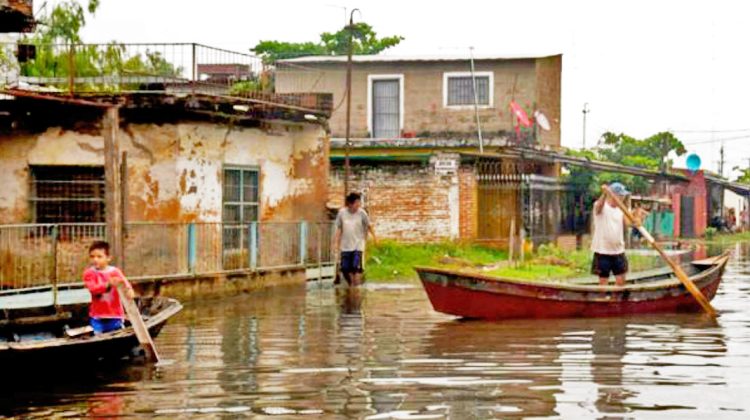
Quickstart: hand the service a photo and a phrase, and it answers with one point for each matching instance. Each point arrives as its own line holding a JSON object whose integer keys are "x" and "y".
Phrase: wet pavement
{"x": 381, "y": 353}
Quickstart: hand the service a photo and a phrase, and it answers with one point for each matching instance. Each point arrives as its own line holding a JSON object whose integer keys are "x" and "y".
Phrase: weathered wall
{"x": 406, "y": 201}
{"x": 175, "y": 170}
{"x": 548, "y": 96}
{"x": 696, "y": 189}
{"x": 424, "y": 113}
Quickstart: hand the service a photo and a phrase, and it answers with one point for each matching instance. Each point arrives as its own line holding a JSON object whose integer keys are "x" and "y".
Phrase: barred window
{"x": 459, "y": 89}
{"x": 67, "y": 194}
{"x": 240, "y": 195}
{"x": 240, "y": 205}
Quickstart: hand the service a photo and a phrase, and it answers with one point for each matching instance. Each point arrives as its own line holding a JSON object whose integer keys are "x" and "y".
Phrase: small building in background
{"x": 224, "y": 73}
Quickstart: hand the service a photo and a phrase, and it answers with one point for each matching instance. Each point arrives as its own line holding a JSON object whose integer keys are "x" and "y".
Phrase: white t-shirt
{"x": 353, "y": 229}
{"x": 609, "y": 232}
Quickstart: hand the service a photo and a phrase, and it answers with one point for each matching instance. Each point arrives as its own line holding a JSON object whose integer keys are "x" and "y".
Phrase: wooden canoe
{"x": 31, "y": 337}
{"x": 471, "y": 295}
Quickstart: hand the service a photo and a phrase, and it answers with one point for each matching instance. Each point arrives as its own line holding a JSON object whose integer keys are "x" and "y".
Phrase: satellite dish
{"x": 521, "y": 116}
{"x": 693, "y": 162}
{"x": 542, "y": 120}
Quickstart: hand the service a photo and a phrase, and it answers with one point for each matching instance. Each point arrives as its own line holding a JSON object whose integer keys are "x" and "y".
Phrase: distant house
{"x": 415, "y": 138}
{"x": 223, "y": 73}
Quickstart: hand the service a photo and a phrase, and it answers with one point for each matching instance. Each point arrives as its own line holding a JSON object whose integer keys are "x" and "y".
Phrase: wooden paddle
{"x": 689, "y": 285}
{"x": 136, "y": 321}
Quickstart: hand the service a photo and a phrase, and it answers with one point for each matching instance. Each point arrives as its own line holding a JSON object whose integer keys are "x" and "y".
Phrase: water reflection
{"x": 381, "y": 352}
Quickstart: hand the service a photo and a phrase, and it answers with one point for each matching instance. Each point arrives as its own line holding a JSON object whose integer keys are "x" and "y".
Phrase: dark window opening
{"x": 461, "y": 90}
{"x": 67, "y": 194}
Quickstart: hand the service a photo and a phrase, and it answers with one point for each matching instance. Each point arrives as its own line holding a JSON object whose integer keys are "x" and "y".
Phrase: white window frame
{"x": 373, "y": 77}
{"x": 449, "y": 74}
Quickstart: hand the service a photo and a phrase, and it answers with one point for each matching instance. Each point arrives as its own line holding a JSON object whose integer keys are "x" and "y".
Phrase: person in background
{"x": 608, "y": 243}
{"x": 352, "y": 225}
{"x": 105, "y": 313}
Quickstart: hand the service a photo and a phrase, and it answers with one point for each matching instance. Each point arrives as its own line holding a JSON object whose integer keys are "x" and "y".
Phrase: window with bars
{"x": 67, "y": 194}
{"x": 240, "y": 204}
{"x": 459, "y": 89}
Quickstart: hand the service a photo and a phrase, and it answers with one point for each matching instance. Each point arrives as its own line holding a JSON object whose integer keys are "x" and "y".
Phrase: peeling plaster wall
{"x": 175, "y": 171}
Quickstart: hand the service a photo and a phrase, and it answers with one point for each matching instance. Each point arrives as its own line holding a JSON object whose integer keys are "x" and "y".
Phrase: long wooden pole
{"x": 681, "y": 275}
{"x": 112, "y": 192}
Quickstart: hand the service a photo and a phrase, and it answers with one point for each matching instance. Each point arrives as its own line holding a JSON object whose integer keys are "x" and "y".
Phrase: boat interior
{"x": 23, "y": 322}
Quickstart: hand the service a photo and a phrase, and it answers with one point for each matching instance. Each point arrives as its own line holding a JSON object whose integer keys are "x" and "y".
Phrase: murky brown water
{"x": 383, "y": 353}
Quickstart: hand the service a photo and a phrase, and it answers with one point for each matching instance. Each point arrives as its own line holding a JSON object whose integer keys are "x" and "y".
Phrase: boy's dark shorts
{"x": 351, "y": 262}
{"x": 604, "y": 265}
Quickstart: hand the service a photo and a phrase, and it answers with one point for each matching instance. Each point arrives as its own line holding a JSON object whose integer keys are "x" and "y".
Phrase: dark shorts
{"x": 351, "y": 262}
{"x": 604, "y": 265}
{"x": 104, "y": 325}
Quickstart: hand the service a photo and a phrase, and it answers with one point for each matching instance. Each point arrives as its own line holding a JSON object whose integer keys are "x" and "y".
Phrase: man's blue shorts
{"x": 104, "y": 325}
{"x": 351, "y": 262}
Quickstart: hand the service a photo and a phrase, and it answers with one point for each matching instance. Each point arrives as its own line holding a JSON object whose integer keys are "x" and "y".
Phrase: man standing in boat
{"x": 608, "y": 241}
{"x": 352, "y": 226}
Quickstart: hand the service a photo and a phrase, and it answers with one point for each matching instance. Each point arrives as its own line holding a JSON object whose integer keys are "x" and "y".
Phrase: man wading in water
{"x": 608, "y": 243}
{"x": 352, "y": 225}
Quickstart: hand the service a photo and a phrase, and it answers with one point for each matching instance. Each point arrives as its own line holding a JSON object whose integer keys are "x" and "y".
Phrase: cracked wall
{"x": 175, "y": 171}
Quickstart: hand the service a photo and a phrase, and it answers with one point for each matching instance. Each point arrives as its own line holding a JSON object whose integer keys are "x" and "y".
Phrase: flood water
{"x": 381, "y": 352}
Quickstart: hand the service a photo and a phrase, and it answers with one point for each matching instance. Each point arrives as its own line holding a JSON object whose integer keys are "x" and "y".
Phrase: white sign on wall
{"x": 446, "y": 166}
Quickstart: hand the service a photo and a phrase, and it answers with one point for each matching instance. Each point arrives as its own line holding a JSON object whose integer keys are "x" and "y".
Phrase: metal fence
{"x": 173, "y": 68}
{"x": 35, "y": 255}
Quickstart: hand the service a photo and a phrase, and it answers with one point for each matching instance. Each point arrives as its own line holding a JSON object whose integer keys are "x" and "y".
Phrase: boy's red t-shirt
{"x": 104, "y": 303}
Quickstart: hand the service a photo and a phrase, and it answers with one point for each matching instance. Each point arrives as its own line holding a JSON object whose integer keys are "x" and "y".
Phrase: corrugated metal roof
{"x": 381, "y": 58}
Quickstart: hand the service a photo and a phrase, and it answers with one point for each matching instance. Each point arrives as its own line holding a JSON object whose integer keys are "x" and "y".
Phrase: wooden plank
{"x": 136, "y": 321}
{"x": 123, "y": 207}
{"x": 75, "y": 332}
{"x": 112, "y": 197}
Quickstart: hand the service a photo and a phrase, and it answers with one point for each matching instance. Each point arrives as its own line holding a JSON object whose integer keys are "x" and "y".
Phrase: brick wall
{"x": 467, "y": 190}
{"x": 406, "y": 201}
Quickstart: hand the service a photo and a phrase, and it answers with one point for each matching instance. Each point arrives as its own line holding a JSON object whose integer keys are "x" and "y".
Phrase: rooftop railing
{"x": 170, "y": 68}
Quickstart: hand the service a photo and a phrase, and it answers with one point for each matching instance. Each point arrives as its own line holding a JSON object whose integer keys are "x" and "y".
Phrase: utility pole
{"x": 476, "y": 101}
{"x": 347, "y": 145}
{"x": 721, "y": 160}
{"x": 586, "y": 110}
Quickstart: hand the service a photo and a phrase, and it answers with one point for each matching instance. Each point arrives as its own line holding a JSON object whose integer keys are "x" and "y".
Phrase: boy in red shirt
{"x": 105, "y": 313}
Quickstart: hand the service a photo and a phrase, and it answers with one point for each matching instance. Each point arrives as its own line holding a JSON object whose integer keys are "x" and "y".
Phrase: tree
{"x": 364, "y": 42}
{"x": 60, "y": 29}
{"x": 64, "y": 22}
{"x": 650, "y": 153}
{"x": 744, "y": 176}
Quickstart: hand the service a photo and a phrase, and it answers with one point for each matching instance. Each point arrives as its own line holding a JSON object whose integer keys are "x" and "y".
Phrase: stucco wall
{"x": 424, "y": 113}
{"x": 175, "y": 170}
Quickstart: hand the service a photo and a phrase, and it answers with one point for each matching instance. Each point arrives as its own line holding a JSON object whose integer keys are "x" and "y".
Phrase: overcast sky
{"x": 642, "y": 66}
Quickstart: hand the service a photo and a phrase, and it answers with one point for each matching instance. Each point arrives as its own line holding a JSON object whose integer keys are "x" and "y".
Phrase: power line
{"x": 712, "y": 131}
{"x": 717, "y": 140}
